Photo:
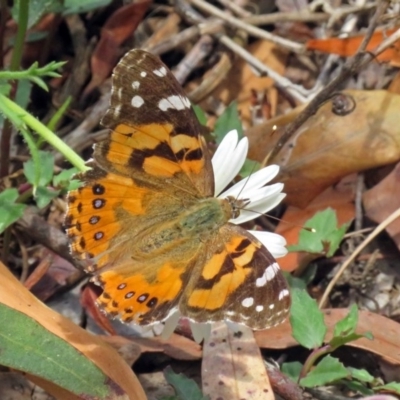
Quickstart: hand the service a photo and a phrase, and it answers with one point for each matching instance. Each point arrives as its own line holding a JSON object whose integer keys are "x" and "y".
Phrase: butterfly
{"x": 146, "y": 222}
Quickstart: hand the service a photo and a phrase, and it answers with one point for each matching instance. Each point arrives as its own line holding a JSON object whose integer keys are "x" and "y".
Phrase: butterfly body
{"x": 147, "y": 223}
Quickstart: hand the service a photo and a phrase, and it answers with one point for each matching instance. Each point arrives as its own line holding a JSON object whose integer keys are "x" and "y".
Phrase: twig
{"x": 353, "y": 65}
{"x": 265, "y": 19}
{"x": 295, "y": 90}
{"x": 230, "y": 5}
{"x": 251, "y": 30}
{"x": 392, "y": 217}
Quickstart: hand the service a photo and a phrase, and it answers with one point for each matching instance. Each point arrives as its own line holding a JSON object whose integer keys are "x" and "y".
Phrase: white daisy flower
{"x": 227, "y": 162}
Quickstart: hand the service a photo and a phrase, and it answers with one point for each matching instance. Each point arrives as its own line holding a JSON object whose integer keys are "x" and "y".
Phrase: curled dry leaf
{"x": 385, "y": 331}
{"x": 329, "y": 146}
{"x": 115, "y": 31}
{"x": 382, "y": 200}
{"x": 232, "y": 366}
{"x": 102, "y": 370}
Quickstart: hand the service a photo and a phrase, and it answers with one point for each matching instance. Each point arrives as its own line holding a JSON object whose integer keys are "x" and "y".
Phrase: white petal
{"x": 261, "y": 207}
{"x": 228, "y": 159}
{"x": 260, "y": 194}
{"x": 222, "y": 154}
{"x": 256, "y": 180}
{"x": 273, "y": 242}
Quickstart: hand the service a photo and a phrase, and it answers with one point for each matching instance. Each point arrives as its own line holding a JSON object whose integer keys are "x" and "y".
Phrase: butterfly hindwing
{"x": 239, "y": 281}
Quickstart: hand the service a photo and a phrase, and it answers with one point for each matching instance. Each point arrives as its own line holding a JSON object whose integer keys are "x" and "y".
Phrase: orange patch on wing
{"x": 165, "y": 287}
{"x": 161, "y": 167}
{"x": 214, "y": 298}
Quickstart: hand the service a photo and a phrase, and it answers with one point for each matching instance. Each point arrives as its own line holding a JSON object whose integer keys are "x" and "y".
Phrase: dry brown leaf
{"x": 176, "y": 346}
{"x": 115, "y": 31}
{"x": 14, "y": 295}
{"x": 241, "y": 79}
{"x": 382, "y": 200}
{"x": 386, "y": 334}
{"x": 328, "y": 146}
{"x": 232, "y": 366}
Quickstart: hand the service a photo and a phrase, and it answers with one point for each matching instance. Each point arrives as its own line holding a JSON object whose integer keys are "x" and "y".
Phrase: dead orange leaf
{"x": 346, "y": 47}
{"x": 328, "y": 147}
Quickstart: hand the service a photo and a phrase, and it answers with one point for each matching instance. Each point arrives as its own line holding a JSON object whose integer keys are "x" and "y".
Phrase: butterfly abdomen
{"x": 196, "y": 222}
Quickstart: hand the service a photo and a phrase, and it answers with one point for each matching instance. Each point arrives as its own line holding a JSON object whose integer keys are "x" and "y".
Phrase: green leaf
{"x": 328, "y": 370}
{"x": 357, "y": 387}
{"x": 80, "y": 7}
{"x": 308, "y": 326}
{"x": 27, "y": 346}
{"x": 228, "y": 121}
{"x": 361, "y": 375}
{"x": 40, "y": 174}
{"x": 292, "y": 370}
{"x": 200, "y": 114}
{"x": 302, "y": 281}
{"x": 23, "y": 95}
{"x": 393, "y": 387}
{"x": 10, "y": 211}
{"x": 324, "y": 237}
{"x": 37, "y": 8}
{"x": 185, "y": 388}
{"x": 44, "y": 195}
{"x": 64, "y": 177}
{"x": 348, "y": 324}
{"x": 344, "y": 331}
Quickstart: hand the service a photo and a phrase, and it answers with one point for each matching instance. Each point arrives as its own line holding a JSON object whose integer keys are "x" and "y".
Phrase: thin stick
{"x": 251, "y": 30}
{"x": 392, "y": 217}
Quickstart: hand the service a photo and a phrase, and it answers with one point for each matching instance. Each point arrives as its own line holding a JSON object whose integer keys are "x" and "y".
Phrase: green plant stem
{"x": 14, "y": 66}
{"x": 19, "y": 115}
{"x": 312, "y": 359}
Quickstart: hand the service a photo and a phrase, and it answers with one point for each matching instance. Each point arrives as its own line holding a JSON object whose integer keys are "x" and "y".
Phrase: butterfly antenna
{"x": 306, "y": 228}
{"x": 247, "y": 179}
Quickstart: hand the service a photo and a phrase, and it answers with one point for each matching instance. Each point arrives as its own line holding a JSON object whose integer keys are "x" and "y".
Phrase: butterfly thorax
{"x": 195, "y": 223}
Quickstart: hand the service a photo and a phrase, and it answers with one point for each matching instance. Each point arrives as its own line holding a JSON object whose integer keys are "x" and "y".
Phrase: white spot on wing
{"x": 137, "y": 101}
{"x": 271, "y": 306}
{"x": 268, "y": 275}
{"x": 135, "y": 85}
{"x": 143, "y": 74}
{"x": 259, "y": 308}
{"x": 283, "y": 293}
{"x": 247, "y": 302}
{"x": 175, "y": 102}
{"x": 117, "y": 110}
{"x": 160, "y": 72}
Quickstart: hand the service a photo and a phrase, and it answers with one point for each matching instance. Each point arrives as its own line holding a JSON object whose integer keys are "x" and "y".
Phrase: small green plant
{"x": 320, "y": 367}
{"x": 309, "y": 329}
{"x": 323, "y": 236}
{"x": 185, "y": 388}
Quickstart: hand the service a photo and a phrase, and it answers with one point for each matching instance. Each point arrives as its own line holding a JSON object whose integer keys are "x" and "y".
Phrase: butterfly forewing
{"x": 154, "y": 128}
